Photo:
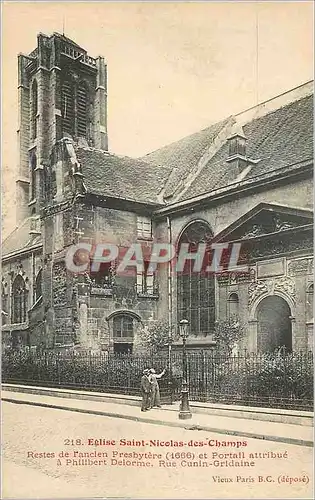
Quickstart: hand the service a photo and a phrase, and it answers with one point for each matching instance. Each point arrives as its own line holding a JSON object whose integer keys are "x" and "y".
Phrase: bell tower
{"x": 62, "y": 92}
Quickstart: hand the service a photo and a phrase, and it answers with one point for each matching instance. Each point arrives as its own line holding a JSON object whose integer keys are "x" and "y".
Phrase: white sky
{"x": 173, "y": 68}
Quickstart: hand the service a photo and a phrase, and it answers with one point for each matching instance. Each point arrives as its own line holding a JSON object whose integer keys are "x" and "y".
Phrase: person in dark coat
{"x": 155, "y": 400}
{"x": 145, "y": 390}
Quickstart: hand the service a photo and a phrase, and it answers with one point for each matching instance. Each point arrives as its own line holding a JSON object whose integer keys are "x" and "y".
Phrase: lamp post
{"x": 184, "y": 410}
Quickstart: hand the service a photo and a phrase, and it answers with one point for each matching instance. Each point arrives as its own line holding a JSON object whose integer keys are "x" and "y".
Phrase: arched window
{"x": 233, "y": 305}
{"x": 38, "y": 285}
{"x": 310, "y": 302}
{"x": 33, "y": 165}
{"x": 34, "y": 110}
{"x": 195, "y": 290}
{"x": 4, "y": 301}
{"x": 19, "y": 300}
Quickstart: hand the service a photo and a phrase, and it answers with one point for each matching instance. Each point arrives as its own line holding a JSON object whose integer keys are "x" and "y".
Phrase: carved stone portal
{"x": 286, "y": 286}
{"x": 300, "y": 267}
{"x": 283, "y": 285}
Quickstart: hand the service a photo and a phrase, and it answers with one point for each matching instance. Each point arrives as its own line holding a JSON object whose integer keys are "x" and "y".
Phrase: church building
{"x": 245, "y": 180}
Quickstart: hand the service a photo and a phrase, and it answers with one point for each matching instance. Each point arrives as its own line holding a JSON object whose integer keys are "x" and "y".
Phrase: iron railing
{"x": 279, "y": 380}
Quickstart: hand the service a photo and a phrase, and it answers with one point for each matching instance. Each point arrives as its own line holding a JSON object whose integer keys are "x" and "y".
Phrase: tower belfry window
{"x": 34, "y": 110}
{"x": 75, "y": 109}
{"x": 33, "y": 165}
{"x": 68, "y": 111}
{"x": 82, "y": 109}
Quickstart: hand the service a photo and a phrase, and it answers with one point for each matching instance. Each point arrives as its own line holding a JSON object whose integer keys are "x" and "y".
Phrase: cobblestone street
{"x": 30, "y": 430}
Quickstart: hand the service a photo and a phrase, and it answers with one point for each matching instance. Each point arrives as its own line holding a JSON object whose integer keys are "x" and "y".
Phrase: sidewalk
{"x": 168, "y": 416}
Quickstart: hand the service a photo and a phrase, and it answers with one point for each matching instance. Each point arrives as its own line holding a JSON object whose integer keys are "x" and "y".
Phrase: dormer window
{"x": 237, "y": 145}
{"x": 237, "y": 152}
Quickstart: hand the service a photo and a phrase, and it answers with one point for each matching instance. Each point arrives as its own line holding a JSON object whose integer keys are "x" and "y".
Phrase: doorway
{"x": 274, "y": 324}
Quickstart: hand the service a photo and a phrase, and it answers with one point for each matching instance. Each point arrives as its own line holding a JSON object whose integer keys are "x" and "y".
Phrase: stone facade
{"x": 70, "y": 189}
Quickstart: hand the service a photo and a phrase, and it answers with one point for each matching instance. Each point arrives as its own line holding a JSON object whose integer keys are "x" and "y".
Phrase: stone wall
{"x": 220, "y": 217}
{"x": 97, "y": 304}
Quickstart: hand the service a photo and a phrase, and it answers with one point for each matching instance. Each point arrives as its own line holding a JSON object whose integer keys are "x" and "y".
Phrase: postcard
{"x": 157, "y": 250}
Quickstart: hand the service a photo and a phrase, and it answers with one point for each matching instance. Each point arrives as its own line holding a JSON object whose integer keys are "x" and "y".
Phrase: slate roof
{"x": 121, "y": 176}
{"x": 184, "y": 154}
{"x": 280, "y": 138}
{"x": 20, "y": 239}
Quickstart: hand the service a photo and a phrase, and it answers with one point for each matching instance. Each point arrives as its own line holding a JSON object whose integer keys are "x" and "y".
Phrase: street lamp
{"x": 184, "y": 410}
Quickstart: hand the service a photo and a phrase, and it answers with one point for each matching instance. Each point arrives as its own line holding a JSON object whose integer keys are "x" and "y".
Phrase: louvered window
{"x": 82, "y": 105}
{"x": 33, "y": 164}
{"x": 68, "y": 108}
{"x": 75, "y": 112}
{"x": 34, "y": 109}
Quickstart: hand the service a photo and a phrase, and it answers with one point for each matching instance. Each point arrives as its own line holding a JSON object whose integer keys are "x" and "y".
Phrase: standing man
{"x": 155, "y": 391}
{"x": 145, "y": 390}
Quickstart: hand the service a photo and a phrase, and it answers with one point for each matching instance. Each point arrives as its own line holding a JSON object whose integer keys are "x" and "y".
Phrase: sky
{"x": 173, "y": 68}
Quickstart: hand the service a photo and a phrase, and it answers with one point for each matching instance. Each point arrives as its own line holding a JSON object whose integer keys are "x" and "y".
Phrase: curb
{"x": 274, "y": 415}
{"x": 279, "y": 439}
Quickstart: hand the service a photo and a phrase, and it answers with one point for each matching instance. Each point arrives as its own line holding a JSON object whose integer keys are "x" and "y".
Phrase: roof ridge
{"x": 116, "y": 155}
{"x": 90, "y": 148}
{"x": 257, "y": 107}
{"x": 15, "y": 229}
{"x": 261, "y": 111}
{"x": 286, "y": 92}
{"x": 212, "y": 124}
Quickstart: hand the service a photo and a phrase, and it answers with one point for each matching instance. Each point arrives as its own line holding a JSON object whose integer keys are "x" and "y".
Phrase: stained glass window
{"x": 19, "y": 300}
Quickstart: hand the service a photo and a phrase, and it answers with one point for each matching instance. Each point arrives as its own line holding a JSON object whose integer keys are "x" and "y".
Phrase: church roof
{"x": 278, "y": 139}
{"x": 122, "y": 177}
{"x": 21, "y": 239}
{"x": 184, "y": 154}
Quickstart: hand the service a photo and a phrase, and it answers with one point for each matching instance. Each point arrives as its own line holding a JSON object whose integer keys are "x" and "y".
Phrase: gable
{"x": 266, "y": 218}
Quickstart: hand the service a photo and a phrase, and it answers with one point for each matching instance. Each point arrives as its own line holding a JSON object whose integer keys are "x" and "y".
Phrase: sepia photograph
{"x": 157, "y": 250}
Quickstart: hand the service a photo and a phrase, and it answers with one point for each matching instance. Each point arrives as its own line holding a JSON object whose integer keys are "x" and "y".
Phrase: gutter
{"x": 21, "y": 252}
{"x": 237, "y": 188}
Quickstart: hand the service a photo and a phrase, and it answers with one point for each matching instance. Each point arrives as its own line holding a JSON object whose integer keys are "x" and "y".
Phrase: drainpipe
{"x": 170, "y": 306}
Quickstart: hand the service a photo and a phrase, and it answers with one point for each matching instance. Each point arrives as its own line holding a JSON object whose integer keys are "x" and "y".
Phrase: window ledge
{"x": 104, "y": 292}
{"x": 145, "y": 238}
{"x": 15, "y": 326}
{"x": 153, "y": 296}
{"x": 123, "y": 340}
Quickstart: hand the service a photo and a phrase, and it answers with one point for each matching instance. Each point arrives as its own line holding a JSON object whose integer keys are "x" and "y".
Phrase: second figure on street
{"x": 155, "y": 400}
